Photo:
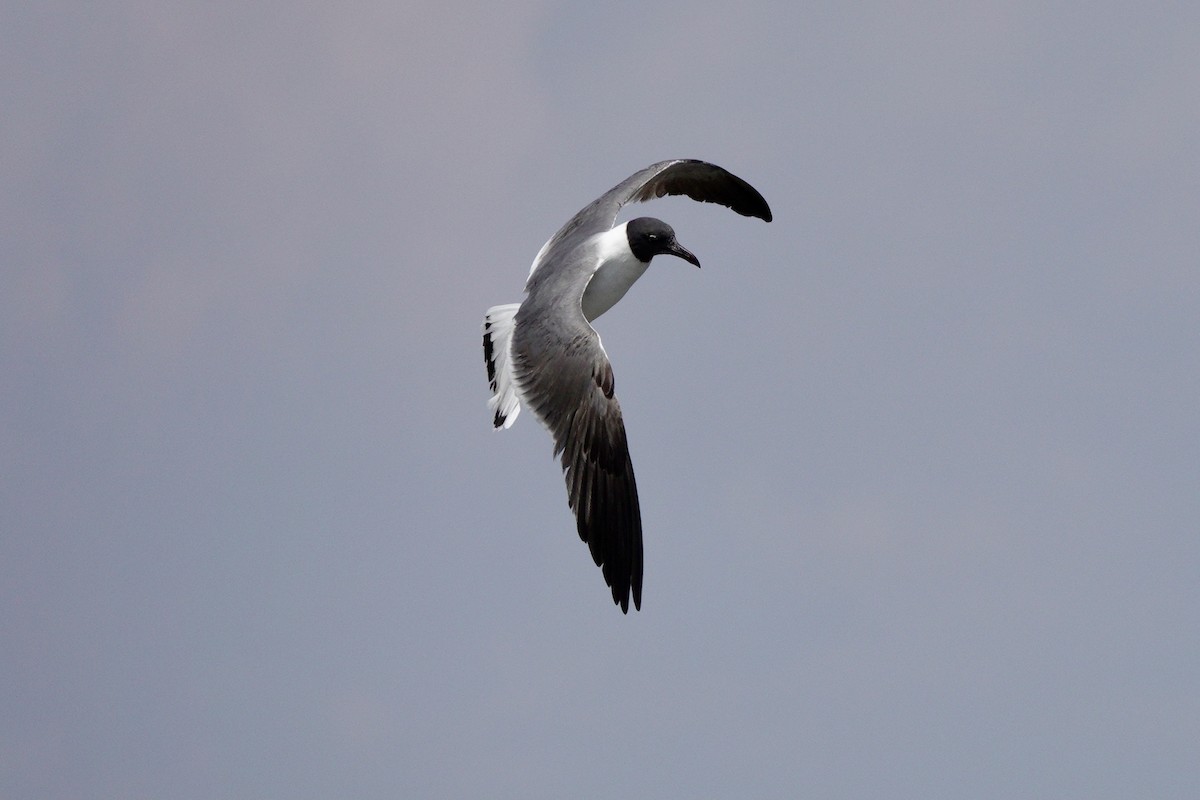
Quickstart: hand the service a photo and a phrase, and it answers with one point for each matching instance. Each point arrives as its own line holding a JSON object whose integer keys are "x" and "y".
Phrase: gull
{"x": 544, "y": 353}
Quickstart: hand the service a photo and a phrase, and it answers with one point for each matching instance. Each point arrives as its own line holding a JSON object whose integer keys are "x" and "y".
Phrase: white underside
{"x": 618, "y": 269}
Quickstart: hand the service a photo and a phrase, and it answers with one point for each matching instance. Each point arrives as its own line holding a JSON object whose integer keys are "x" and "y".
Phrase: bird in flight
{"x": 544, "y": 353}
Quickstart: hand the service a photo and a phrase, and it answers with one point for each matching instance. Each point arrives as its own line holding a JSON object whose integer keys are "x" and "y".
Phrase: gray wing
{"x": 567, "y": 382}
{"x": 699, "y": 180}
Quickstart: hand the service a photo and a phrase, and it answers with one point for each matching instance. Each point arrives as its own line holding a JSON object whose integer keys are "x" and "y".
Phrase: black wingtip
{"x": 746, "y": 200}
{"x": 622, "y": 593}
{"x": 751, "y": 203}
{"x": 706, "y": 183}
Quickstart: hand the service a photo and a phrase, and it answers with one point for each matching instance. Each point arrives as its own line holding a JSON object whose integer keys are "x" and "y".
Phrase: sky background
{"x": 919, "y": 461}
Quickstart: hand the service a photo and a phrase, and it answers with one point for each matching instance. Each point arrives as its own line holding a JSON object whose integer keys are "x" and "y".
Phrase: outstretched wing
{"x": 699, "y": 180}
{"x": 563, "y": 374}
{"x": 567, "y": 382}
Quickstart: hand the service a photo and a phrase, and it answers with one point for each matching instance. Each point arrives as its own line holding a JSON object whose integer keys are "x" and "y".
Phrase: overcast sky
{"x": 919, "y": 461}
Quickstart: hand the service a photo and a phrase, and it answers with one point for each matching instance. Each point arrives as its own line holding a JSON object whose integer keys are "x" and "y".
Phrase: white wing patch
{"x": 497, "y": 338}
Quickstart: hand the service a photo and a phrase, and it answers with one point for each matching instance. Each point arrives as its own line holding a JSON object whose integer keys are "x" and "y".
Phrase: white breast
{"x": 617, "y": 270}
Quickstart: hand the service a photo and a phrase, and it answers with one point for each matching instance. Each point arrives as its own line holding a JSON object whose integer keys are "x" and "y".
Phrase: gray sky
{"x": 919, "y": 461}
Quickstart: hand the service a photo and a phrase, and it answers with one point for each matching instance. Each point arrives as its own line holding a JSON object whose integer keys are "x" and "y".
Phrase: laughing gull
{"x": 544, "y": 353}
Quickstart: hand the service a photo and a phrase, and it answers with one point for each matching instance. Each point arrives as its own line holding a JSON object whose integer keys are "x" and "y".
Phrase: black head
{"x": 650, "y": 237}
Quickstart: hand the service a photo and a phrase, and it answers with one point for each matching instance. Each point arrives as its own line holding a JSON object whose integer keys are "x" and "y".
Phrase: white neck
{"x": 617, "y": 268}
